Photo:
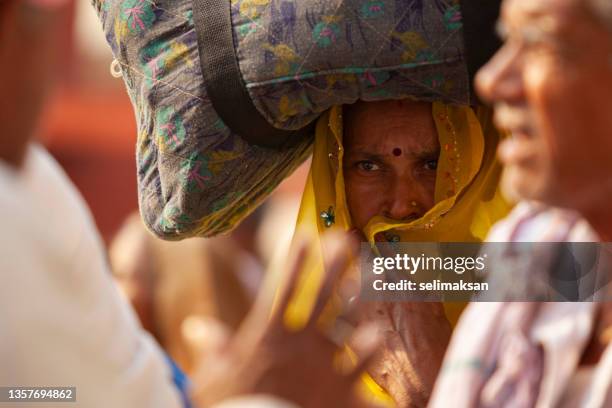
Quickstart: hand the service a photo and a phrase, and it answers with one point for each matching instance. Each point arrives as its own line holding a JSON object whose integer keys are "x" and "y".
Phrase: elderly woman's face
{"x": 390, "y": 160}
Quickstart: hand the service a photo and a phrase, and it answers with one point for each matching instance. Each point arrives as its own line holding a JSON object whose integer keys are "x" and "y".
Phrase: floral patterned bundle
{"x": 297, "y": 58}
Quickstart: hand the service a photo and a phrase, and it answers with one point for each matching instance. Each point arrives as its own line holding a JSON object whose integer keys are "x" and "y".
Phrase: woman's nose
{"x": 500, "y": 80}
{"x": 406, "y": 201}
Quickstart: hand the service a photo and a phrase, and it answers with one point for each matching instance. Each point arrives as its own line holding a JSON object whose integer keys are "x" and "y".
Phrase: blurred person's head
{"x": 29, "y": 45}
{"x": 187, "y": 294}
{"x": 550, "y": 85}
{"x": 390, "y": 162}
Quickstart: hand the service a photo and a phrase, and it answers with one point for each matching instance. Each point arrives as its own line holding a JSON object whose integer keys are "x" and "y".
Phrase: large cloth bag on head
{"x": 226, "y": 92}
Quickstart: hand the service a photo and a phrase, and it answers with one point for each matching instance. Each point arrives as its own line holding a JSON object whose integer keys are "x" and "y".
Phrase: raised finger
{"x": 289, "y": 282}
{"x": 364, "y": 343}
{"x": 336, "y": 262}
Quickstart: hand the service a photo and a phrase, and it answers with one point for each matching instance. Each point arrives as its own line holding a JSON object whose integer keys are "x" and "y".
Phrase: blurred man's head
{"x": 29, "y": 51}
{"x": 390, "y": 162}
{"x": 551, "y": 85}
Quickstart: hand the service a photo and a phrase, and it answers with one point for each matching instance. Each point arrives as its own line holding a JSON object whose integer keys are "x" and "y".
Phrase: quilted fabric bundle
{"x": 224, "y": 92}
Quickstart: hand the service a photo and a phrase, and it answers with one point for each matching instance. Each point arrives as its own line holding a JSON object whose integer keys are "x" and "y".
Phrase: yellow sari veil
{"x": 468, "y": 199}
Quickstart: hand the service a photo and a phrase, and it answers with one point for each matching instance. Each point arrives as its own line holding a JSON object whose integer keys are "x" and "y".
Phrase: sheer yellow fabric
{"x": 468, "y": 200}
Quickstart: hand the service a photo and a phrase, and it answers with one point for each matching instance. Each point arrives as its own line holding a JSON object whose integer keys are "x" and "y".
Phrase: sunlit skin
{"x": 390, "y": 162}
{"x": 391, "y": 156}
{"x": 550, "y": 84}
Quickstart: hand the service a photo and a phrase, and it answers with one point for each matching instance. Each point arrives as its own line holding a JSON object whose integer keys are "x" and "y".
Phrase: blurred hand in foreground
{"x": 265, "y": 357}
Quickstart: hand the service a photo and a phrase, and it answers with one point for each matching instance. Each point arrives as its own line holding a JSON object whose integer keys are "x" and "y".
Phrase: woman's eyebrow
{"x": 426, "y": 153}
{"x": 365, "y": 155}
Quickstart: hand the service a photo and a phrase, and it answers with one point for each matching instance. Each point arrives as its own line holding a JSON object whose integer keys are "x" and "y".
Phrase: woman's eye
{"x": 431, "y": 164}
{"x": 367, "y": 166}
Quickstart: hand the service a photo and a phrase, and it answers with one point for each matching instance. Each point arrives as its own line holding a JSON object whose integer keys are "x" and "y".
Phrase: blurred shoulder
{"x": 536, "y": 222}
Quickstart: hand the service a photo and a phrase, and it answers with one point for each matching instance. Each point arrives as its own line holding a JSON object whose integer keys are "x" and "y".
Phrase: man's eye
{"x": 367, "y": 165}
{"x": 431, "y": 164}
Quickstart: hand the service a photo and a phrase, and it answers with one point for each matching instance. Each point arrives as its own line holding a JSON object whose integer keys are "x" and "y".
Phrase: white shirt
{"x": 62, "y": 320}
{"x": 561, "y": 329}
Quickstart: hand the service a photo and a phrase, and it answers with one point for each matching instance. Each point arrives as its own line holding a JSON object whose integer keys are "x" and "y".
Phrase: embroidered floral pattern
{"x": 326, "y": 33}
{"x": 173, "y": 219}
{"x": 372, "y": 9}
{"x": 170, "y": 129}
{"x": 138, "y": 14}
{"x": 160, "y": 57}
{"x": 195, "y": 172}
{"x": 298, "y": 58}
{"x": 452, "y": 18}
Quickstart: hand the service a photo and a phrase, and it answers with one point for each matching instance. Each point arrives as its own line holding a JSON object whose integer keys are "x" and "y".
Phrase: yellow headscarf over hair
{"x": 468, "y": 200}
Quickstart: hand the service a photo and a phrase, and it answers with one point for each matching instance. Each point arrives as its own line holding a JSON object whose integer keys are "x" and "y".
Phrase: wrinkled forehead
{"x": 554, "y": 16}
{"x": 364, "y": 117}
{"x": 384, "y": 125}
{"x": 540, "y": 7}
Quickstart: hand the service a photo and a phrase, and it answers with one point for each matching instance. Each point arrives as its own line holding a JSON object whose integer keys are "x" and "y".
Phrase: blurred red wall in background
{"x": 92, "y": 133}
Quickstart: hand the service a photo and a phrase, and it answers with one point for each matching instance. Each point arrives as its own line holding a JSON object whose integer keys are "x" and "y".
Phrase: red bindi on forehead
{"x": 397, "y": 152}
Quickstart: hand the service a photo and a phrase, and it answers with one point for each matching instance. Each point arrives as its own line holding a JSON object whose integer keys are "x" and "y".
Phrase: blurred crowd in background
{"x": 290, "y": 338}
{"x": 181, "y": 310}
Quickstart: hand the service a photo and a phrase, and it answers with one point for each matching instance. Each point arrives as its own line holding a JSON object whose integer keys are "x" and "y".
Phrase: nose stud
{"x": 414, "y": 204}
{"x": 393, "y": 238}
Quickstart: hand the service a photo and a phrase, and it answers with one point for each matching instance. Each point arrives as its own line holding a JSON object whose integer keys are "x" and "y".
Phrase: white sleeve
{"x": 62, "y": 320}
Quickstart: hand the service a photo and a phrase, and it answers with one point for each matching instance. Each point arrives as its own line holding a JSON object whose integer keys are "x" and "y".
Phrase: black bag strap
{"x": 479, "y": 36}
{"x": 223, "y": 79}
{"x": 232, "y": 102}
